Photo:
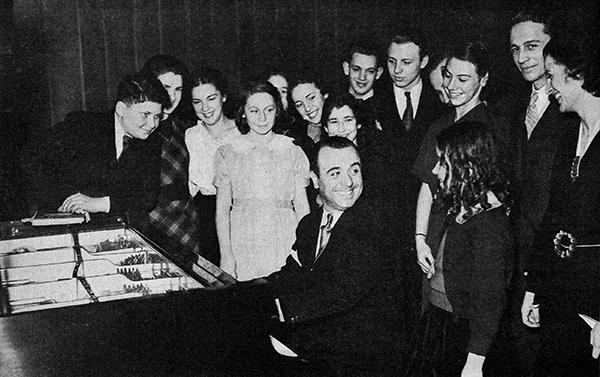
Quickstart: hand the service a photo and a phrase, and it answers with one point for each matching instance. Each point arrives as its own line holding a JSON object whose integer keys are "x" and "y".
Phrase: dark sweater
{"x": 477, "y": 264}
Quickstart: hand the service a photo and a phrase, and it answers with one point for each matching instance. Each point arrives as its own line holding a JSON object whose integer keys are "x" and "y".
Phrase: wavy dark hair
{"x": 575, "y": 47}
{"x": 337, "y": 101}
{"x": 475, "y": 168}
{"x": 260, "y": 86}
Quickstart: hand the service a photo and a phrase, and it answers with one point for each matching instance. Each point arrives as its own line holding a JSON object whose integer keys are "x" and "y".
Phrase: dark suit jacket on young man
{"x": 344, "y": 306}
{"x": 403, "y": 188}
{"x": 531, "y": 165}
{"x": 79, "y": 155}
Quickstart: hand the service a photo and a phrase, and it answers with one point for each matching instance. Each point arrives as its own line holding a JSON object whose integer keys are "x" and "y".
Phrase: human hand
{"x": 473, "y": 366}
{"x": 530, "y": 313}
{"x": 80, "y": 203}
{"x": 595, "y": 340}
{"x": 425, "y": 258}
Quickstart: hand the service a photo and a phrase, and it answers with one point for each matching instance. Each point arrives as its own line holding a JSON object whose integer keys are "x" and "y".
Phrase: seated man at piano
{"x": 101, "y": 162}
{"x": 336, "y": 294}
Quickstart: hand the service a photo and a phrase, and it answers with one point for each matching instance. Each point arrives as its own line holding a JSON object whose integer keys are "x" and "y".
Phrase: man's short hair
{"x": 160, "y": 64}
{"x": 364, "y": 46}
{"x": 334, "y": 142}
{"x": 138, "y": 88}
{"x": 536, "y": 13}
{"x": 408, "y": 35}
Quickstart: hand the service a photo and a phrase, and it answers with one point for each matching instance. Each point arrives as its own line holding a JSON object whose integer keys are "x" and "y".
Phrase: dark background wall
{"x": 58, "y": 56}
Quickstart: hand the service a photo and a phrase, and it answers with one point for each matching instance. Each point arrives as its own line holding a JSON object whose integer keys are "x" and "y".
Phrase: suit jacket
{"x": 78, "y": 155}
{"x": 344, "y": 305}
{"x": 530, "y": 165}
{"x": 404, "y": 146}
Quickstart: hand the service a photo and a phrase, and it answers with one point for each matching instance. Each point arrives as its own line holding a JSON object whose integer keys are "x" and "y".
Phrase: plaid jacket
{"x": 175, "y": 212}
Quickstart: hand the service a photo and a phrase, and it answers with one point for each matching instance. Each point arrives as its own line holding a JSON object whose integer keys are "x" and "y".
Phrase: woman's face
{"x": 341, "y": 122}
{"x": 442, "y": 170}
{"x": 208, "y": 103}
{"x": 462, "y": 82}
{"x": 260, "y": 112}
{"x": 173, "y": 84}
{"x": 565, "y": 89}
{"x": 281, "y": 84}
{"x": 308, "y": 101}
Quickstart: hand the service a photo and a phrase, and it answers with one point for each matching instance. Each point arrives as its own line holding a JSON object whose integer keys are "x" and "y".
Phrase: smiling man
{"x": 407, "y": 106}
{"x": 338, "y": 291}
{"x": 101, "y": 162}
{"x": 536, "y": 129}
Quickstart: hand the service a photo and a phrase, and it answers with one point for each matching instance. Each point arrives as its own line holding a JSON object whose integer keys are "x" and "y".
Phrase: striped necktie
{"x": 407, "y": 117}
{"x": 532, "y": 116}
{"x": 325, "y": 233}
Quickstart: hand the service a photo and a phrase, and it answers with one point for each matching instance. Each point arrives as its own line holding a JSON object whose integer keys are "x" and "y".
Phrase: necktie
{"x": 532, "y": 116}
{"x": 407, "y": 117}
{"x": 325, "y": 233}
{"x": 126, "y": 143}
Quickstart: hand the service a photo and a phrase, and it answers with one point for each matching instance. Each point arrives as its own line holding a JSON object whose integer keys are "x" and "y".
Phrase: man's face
{"x": 362, "y": 72}
{"x": 527, "y": 41}
{"x": 340, "y": 178}
{"x": 404, "y": 64}
{"x": 140, "y": 119}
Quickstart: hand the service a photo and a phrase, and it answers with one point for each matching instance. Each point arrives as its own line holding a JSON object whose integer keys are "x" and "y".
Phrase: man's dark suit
{"x": 344, "y": 306}
{"x": 531, "y": 166}
{"x": 530, "y": 169}
{"x": 403, "y": 189}
{"x": 79, "y": 155}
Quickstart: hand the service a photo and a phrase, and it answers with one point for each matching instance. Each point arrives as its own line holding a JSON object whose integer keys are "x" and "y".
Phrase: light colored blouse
{"x": 202, "y": 147}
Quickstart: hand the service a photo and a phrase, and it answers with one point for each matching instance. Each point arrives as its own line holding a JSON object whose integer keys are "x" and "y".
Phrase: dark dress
{"x": 477, "y": 265}
{"x": 565, "y": 287}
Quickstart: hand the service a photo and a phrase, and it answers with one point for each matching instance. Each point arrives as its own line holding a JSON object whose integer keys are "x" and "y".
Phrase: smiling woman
{"x": 566, "y": 285}
{"x": 261, "y": 178}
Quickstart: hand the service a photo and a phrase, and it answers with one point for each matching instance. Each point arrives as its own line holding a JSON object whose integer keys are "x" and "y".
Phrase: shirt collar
{"x": 119, "y": 133}
{"x": 336, "y": 216}
{"x": 369, "y": 94}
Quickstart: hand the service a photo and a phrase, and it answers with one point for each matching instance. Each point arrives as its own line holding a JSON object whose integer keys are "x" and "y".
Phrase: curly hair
{"x": 575, "y": 47}
{"x": 470, "y": 156}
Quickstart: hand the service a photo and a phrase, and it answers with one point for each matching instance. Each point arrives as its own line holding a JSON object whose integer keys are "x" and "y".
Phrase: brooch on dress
{"x": 564, "y": 244}
{"x": 575, "y": 168}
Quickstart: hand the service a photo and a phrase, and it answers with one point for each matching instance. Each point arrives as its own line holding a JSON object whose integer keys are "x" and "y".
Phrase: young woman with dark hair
{"x": 174, "y": 218}
{"x": 261, "y": 178}
{"x": 564, "y": 269}
{"x": 206, "y": 91}
{"x": 470, "y": 268}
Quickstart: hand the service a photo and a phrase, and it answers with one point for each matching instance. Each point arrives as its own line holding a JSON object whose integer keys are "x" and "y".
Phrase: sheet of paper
{"x": 589, "y": 320}
{"x": 281, "y": 348}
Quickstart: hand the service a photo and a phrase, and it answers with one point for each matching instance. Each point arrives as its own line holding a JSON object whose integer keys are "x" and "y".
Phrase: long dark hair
{"x": 475, "y": 167}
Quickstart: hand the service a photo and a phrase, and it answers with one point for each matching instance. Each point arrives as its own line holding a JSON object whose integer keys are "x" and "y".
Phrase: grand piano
{"x": 102, "y": 300}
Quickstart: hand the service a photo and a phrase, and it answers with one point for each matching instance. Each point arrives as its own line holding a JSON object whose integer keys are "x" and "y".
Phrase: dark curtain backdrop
{"x": 70, "y": 54}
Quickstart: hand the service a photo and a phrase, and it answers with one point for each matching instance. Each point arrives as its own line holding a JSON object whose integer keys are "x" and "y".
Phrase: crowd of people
{"x": 405, "y": 225}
